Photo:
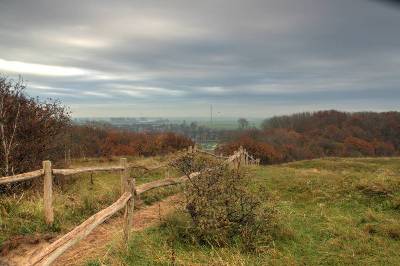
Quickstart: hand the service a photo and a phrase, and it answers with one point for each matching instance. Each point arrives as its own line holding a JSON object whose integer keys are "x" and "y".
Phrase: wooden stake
{"x": 130, "y": 205}
{"x": 69, "y": 156}
{"x": 48, "y": 193}
{"x": 124, "y": 174}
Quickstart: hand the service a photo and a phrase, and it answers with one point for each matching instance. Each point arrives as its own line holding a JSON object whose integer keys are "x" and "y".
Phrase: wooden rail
{"x": 212, "y": 154}
{"x": 57, "y": 248}
{"x": 163, "y": 183}
{"x": 21, "y": 177}
{"x": 65, "y": 172}
{"x": 53, "y": 251}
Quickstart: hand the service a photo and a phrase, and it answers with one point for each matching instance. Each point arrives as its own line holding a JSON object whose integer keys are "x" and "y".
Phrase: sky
{"x": 176, "y": 58}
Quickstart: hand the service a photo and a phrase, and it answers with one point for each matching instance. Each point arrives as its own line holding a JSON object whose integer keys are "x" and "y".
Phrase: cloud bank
{"x": 175, "y": 58}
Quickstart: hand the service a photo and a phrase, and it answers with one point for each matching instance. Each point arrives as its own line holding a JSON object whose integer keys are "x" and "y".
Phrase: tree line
{"x": 319, "y": 134}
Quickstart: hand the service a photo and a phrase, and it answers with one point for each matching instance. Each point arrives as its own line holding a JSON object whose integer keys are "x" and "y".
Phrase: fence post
{"x": 69, "y": 156}
{"x": 48, "y": 193}
{"x": 124, "y": 174}
{"x": 130, "y": 205}
{"x": 190, "y": 149}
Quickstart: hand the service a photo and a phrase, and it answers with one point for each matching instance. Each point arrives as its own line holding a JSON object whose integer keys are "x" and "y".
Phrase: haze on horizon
{"x": 175, "y": 58}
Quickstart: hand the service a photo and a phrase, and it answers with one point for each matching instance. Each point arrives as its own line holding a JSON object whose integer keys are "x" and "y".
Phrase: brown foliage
{"x": 94, "y": 140}
{"x": 30, "y": 130}
{"x": 320, "y": 134}
{"x": 222, "y": 209}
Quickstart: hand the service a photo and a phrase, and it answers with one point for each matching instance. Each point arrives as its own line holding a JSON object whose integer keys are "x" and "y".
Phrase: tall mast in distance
{"x": 211, "y": 113}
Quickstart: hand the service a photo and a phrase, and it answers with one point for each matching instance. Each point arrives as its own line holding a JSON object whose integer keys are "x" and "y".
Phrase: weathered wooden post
{"x": 123, "y": 162}
{"x": 48, "y": 193}
{"x": 241, "y": 157}
{"x": 130, "y": 205}
{"x": 69, "y": 156}
{"x": 195, "y": 148}
{"x": 190, "y": 149}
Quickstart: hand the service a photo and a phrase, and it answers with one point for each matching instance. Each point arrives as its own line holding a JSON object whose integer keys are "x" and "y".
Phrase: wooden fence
{"x": 126, "y": 200}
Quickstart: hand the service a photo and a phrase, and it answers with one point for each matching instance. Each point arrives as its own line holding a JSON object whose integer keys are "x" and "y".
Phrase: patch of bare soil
{"x": 96, "y": 244}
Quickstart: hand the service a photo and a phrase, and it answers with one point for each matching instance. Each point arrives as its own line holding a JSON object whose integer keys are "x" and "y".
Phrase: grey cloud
{"x": 162, "y": 54}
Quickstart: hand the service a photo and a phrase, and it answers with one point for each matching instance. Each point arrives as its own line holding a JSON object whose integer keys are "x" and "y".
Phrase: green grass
{"x": 334, "y": 212}
{"x": 75, "y": 199}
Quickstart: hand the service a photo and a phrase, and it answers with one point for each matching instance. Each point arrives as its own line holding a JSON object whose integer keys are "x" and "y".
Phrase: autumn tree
{"x": 30, "y": 130}
{"x": 243, "y": 123}
{"x": 320, "y": 134}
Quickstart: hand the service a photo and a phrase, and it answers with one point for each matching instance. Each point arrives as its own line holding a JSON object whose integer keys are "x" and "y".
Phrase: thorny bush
{"x": 221, "y": 209}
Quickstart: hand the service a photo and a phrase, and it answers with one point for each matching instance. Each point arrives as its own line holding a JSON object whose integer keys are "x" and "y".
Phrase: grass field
{"x": 228, "y": 124}
{"x": 75, "y": 199}
{"x": 332, "y": 212}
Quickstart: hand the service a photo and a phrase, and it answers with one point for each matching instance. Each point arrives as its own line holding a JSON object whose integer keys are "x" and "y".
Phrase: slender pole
{"x": 69, "y": 156}
{"x": 48, "y": 193}
{"x": 130, "y": 205}
{"x": 124, "y": 174}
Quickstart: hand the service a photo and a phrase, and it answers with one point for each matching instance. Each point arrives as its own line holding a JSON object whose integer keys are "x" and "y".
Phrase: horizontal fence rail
{"x": 66, "y": 172}
{"x": 21, "y": 177}
{"x": 53, "y": 251}
{"x": 73, "y": 171}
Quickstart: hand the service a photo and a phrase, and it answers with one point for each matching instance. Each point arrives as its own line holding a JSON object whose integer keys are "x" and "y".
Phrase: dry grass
{"x": 335, "y": 211}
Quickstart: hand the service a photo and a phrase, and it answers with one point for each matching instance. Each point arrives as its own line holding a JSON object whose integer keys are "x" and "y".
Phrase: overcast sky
{"x": 175, "y": 58}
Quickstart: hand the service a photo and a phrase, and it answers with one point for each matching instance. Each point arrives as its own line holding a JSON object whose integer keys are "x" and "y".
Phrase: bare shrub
{"x": 221, "y": 209}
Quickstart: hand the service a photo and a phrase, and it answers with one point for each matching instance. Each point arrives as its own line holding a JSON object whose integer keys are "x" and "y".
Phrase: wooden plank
{"x": 21, "y": 177}
{"x": 212, "y": 154}
{"x": 85, "y": 170}
{"x": 164, "y": 182}
{"x": 48, "y": 193}
{"x": 54, "y": 250}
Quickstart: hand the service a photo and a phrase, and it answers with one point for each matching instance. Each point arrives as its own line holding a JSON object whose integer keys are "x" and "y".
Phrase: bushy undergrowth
{"x": 220, "y": 210}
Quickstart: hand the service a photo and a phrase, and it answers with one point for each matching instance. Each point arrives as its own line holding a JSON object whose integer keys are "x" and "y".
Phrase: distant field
{"x": 333, "y": 212}
{"x": 219, "y": 123}
{"x": 228, "y": 124}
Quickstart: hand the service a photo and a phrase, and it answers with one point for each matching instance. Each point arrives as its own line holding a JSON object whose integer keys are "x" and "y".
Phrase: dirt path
{"x": 96, "y": 244}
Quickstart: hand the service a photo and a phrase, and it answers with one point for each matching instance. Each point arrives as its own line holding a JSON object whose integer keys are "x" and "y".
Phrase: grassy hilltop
{"x": 333, "y": 212}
